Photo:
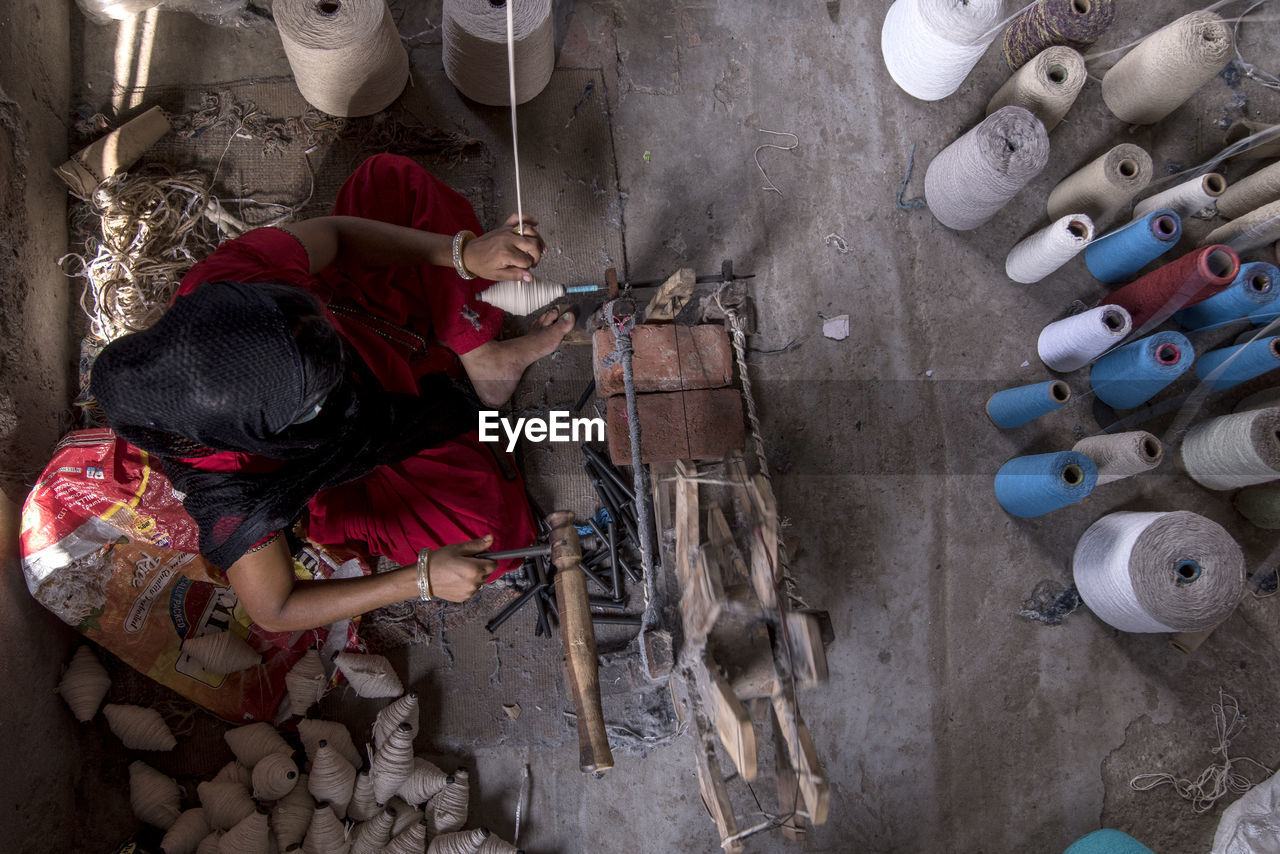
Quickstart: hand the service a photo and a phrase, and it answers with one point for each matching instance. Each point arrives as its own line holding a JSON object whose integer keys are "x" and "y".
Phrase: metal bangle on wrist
{"x": 424, "y": 575}
{"x": 459, "y": 241}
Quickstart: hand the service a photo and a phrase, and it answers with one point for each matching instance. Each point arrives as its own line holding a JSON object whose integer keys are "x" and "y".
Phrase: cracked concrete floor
{"x": 948, "y": 724}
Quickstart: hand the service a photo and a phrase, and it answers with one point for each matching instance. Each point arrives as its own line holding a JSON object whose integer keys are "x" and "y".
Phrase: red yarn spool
{"x": 1192, "y": 278}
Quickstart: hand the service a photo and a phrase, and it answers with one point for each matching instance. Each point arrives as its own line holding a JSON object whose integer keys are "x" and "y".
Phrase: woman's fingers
{"x": 513, "y": 221}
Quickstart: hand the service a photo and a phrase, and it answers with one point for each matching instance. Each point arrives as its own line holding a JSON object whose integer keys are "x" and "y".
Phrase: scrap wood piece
{"x": 662, "y": 476}
{"x": 671, "y": 296}
{"x": 732, "y": 722}
{"x": 808, "y": 656}
{"x": 701, "y": 591}
{"x": 715, "y": 795}
{"x": 814, "y": 788}
{"x": 762, "y": 511}
{"x": 793, "y": 825}
{"x": 720, "y": 537}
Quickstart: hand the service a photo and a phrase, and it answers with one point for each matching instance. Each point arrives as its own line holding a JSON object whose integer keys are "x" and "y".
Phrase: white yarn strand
{"x": 1042, "y": 253}
{"x": 511, "y": 79}
{"x": 1073, "y": 342}
{"x": 1134, "y": 570}
{"x": 930, "y": 46}
{"x": 1186, "y": 199}
{"x": 1234, "y": 451}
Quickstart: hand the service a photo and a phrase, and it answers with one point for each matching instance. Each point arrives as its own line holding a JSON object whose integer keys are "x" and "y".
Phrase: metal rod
{"x": 505, "y": 614}
{"x": 616, "y": 619}
{"x": 543, "y": 577}
{"x": 528, "y": 551}
{"x": 607, "y": 468}
{"x": 613, "y": 562}
{"x": 586, "y": 395}
{"x": 607, "y": 603}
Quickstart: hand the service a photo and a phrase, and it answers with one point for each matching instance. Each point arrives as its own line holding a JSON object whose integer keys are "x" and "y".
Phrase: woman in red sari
{"x": 309, "y": 372}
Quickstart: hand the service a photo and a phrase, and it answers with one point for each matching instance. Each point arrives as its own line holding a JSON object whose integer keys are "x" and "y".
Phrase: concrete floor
{"x": 948, "y": 724}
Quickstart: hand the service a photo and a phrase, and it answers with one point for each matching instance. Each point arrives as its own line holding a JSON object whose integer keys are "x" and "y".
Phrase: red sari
{"x": 405, "y": 322}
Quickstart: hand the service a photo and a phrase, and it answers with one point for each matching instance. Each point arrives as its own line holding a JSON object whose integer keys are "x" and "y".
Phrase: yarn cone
{"x": 221, "y": 652}
{"x": 209, "y": 845}
{"x": 154, "y": 797}
{"x": 494, "y": 844}
{"x": 252, "y": 742}
{"x": 252, "y": 835}
{"x": 371, "y": 676}
{"x": 448, "y": 810}
{"x": 305, "y": 681}
{"x": 392, "y": 764}
{"x": 326, "y": 834}
{"x": 403, "y": 710}
{"x": 274, "y": 776}
{"x": 423, "y": 783}
{"x": 363, "y": 806}
{"x": 85, "y": 684}
{"x": 411, "y": 840}
{"x": 185, "y": 835}
{"x": 373, "y": 835}
{"x": 225, "y": 804}
{"x": 292, "y": 815}
{"x": 459, "y": 842}
{"x": 332, "y": 780}
{"x": 405, "y": 815}
{"x": 234, "y": 772}
{"x": 139, "y": 728}
{"x": 312, "y": 731}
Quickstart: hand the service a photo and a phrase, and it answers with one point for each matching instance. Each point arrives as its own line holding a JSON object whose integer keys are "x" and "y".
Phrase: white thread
{"x": 930, "y": 46}
{"x": 1040, "y": 254}
{"x": 1073, "y": 342}
{"x": 1235, "y": 450}
{"x": 1186, "y": 199}
{"x": 975, "y": 176}
{"x": 1159, "y": 572}
{"x": 347, "y": 57}
{"x": 477, "y": 56}
{"x": 1047, "y": 85}
{"x": 511, "y": 94}
{"x": 1121, "y": 455}
{"x": 522, "y": 298}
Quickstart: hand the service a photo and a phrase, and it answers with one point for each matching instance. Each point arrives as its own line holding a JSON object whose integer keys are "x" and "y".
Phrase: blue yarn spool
{"x": 1041, "y": 483}
{"x": 1118, "y": 255}
{"x": 1014, "y": 407}
{"x": 1253, "y": 293}
{"x": 1248, "y": 360}
{"x": 1131, "y": 375}
{"x": 1108, "y": 842}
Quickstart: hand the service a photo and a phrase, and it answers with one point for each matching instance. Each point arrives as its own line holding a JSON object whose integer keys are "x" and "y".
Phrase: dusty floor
{"x": 949, "y": 724}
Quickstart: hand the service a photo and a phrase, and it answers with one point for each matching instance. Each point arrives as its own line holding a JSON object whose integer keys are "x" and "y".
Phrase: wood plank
{"x": 814, "y": 788}
{"x": 732, "y": 722}
{"x": 808, "y": 656}
{"x": 701, "y": 592}
{"x": 662, "y": 478}
{"x": 762, "y": 514}
{"x": 671, "y": 296}
{"x": 789, "y": 799}
{"x": 720, "y": 537}
{"x": 715, "y": 795}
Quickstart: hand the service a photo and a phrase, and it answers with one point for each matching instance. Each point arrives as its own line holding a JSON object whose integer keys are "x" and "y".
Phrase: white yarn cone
{"x": 312, "y": 731}
{"x": 371, "y": 676}
{"x": 252, "y": 742}
{"x": 154, "y": 797}
{"x": 930, "y": 46}
{"x": 305, "y": 681}
{"x": 1073, "y": 342}
{"x": 1049, "y": 248}
{"x": 139, "y": 728}
{"x": 85, "y": 684}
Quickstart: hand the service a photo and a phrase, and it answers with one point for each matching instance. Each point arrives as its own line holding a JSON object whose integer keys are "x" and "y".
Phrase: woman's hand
{"x": 504, "y": 253}
{"x": 454, "y": 574}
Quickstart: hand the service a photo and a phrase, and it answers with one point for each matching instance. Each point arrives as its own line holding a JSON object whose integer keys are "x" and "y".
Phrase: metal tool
{"x": 542, "y": 550}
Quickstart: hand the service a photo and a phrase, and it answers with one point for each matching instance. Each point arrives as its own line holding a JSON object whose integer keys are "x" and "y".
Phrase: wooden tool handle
{"x": 579, "y": 639}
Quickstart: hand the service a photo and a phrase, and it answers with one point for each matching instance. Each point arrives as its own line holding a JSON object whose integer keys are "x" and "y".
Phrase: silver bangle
{"x": 460, "y": 240}
{"x": 424, "y": 575}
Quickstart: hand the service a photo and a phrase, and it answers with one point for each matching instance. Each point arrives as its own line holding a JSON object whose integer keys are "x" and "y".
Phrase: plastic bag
{"x": 108, "y": 547}
{"x": 219, "y": 13}
{"x": 1252, "y": 824}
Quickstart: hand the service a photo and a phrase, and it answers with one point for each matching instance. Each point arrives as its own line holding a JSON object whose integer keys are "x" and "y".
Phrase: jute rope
{"x": 1166, "y": 68}
{"x": 476, "y": 52}
{"x": 346, "y": 55}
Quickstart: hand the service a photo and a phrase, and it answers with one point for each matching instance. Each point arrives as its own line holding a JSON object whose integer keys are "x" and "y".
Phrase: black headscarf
{"x": 237, "y": 367}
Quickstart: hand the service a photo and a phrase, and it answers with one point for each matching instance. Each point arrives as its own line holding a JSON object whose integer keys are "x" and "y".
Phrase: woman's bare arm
{"x": 278, "y": 602}
{"x": 498, "y": 254}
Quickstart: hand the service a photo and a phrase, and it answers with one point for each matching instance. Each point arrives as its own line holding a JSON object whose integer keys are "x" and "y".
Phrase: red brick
{"x": 694, "y": 425}
{"x": 668, "y": 357}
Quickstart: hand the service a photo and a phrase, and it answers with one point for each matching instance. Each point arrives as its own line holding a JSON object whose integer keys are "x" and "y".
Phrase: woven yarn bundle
{"x": 1047, "y": 86}
{"x": 1074, "y": 23}
{"x": 475, "y": 49}
{"x": 346, "y": 55}
{"x": 1159, "y": 572}
{"x": 975, "y": 176}
{"x": 1167, "y": 67}
{"x": 930, "y": 46}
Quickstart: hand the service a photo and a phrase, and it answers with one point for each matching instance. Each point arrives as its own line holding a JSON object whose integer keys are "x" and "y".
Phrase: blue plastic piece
{"x": 1131, "y": 375}
{"x": 602, "y": 518}
{"x": 1041, "y": 483}
{"x": 1108, "y": 842}
{"x": 1253, "y": 293}
{"x": 1116, "y": 256}
{"x": 1248, "y": 360}
{"x": 1014, "y": 407}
